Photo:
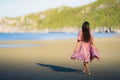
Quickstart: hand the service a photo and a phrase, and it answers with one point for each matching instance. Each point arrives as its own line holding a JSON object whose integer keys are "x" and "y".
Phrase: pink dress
{"x": 86, "y": 51}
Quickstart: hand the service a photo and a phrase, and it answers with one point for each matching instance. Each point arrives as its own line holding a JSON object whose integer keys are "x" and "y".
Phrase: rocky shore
{"x": 11, "y": 29}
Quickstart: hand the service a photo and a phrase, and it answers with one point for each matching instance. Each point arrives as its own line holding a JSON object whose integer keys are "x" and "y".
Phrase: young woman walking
{"x": 85, "y": 49}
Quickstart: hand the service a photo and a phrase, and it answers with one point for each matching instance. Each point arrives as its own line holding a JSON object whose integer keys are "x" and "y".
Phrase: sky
{"x": 14, "y": 8}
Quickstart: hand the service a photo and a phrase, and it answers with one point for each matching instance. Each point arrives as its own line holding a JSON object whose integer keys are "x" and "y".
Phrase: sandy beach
{"x": 50, "y": 60}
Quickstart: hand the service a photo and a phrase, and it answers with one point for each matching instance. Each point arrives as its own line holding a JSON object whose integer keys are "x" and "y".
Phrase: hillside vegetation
{"x": 102, "y": 13}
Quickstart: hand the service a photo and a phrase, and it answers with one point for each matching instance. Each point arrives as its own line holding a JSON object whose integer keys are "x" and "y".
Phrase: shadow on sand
{"x": 59, "y": 68}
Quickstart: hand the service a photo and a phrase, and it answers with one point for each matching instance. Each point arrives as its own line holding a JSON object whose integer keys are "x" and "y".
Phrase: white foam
{"x": 17, "y": 45}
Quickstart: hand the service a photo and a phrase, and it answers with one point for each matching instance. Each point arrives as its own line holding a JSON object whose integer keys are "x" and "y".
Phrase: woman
{"x": 85, "y": 49}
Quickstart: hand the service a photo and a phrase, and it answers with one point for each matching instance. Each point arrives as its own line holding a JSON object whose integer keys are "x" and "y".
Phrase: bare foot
{"x": 84, "y": 71}
{"x": 89, "y": 73}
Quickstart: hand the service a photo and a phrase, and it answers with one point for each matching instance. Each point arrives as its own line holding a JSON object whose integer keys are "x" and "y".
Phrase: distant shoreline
{"x": 69, "y": 30}
{"x": 49, "y": 36}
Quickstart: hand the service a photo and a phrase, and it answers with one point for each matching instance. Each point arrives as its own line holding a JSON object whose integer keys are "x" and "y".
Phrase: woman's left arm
{"x": 77, "y": 45}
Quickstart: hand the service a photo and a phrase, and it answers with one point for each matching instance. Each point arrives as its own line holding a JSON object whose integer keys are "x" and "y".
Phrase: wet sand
{"x": 50, "y": 60}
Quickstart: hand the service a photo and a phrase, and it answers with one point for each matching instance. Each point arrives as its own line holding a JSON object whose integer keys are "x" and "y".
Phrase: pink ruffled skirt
{"x": 86, "y": 52}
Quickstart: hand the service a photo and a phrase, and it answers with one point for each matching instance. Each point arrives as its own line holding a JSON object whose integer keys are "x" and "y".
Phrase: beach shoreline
{"x": 51, "y": 61}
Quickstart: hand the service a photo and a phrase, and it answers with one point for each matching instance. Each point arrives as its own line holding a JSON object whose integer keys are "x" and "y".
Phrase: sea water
{"x": 49, "y": 36}
{"x": 43, "y": 36}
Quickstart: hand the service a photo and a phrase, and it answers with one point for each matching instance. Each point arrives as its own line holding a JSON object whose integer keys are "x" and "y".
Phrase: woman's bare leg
{"x": 87, "y": 68}
{"x": 84, "y": 67}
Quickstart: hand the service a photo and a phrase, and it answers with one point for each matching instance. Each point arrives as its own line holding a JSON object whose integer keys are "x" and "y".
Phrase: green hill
{"x": 102, "y": 13}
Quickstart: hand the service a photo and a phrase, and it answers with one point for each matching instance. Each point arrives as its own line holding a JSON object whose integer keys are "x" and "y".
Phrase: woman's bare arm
{"x": 77, "y": 45}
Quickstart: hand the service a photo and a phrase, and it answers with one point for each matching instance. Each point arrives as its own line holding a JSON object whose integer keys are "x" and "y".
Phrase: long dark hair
{"x": 86, "y": 31}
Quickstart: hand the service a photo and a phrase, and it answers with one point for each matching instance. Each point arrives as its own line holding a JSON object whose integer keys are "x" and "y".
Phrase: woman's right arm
{"x": 92, "y": 42}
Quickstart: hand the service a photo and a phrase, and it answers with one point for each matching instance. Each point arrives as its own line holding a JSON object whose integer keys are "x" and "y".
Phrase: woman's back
{"x": 81, "y": 37}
